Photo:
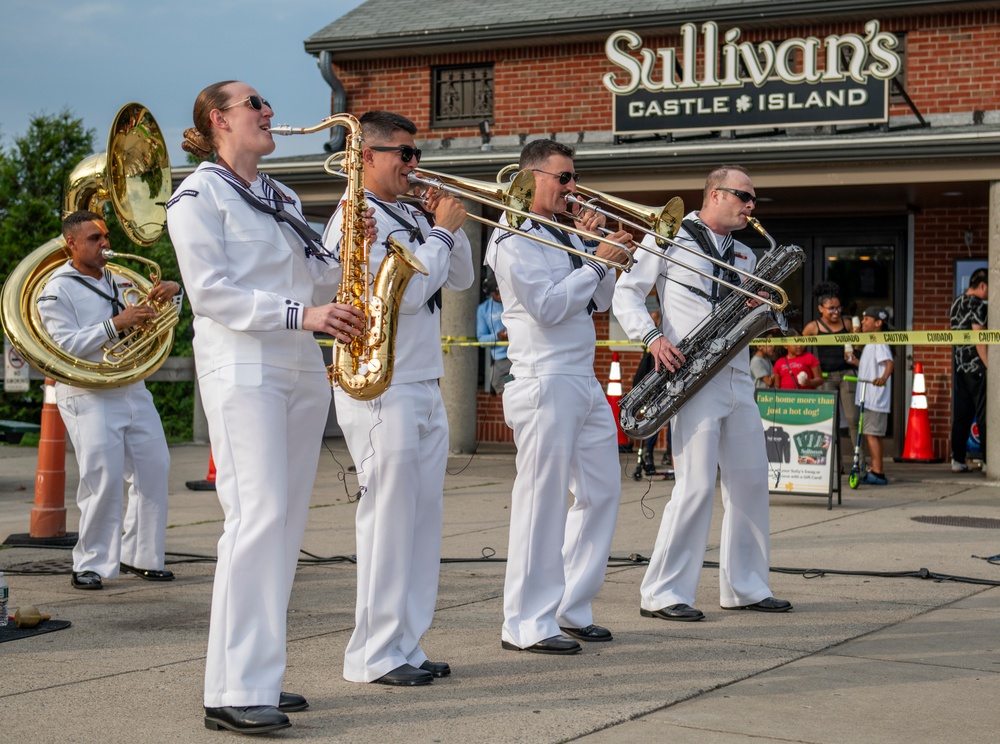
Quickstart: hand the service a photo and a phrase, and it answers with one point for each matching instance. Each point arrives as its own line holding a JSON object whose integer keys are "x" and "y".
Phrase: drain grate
{"x": 982, "y": 523}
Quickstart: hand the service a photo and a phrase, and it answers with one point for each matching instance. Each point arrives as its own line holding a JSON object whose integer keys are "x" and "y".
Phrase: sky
{"x": 95, "y": 56}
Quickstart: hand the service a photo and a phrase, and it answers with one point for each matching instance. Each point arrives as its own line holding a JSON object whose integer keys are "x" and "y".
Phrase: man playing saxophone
{"x": 719, "y": 428}
{"x": 116, "y": 432}
{"x": 399, "y": 440}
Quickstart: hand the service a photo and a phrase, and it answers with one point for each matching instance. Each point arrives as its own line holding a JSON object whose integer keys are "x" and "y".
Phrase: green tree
{"x": 34, "y": 173}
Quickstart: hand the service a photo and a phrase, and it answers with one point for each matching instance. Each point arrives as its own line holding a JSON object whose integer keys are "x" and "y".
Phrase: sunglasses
{"x": 832, "y": 308}
{"x": 255, "y": 102}
{"x": 743, "y": 196}
{"x": 406, "y": 153}
{"x": 563, "y": 177}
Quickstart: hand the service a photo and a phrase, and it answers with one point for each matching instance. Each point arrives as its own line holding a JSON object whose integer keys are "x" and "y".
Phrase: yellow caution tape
{"x": 891, "y": 338}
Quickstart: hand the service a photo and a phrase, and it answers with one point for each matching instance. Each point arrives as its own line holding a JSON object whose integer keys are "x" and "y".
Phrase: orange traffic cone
{"x": 209, "y": 483}
{"x": 615, "y": 395}
{"x": 918, "y": 446}
{"x": 47, "y": 524}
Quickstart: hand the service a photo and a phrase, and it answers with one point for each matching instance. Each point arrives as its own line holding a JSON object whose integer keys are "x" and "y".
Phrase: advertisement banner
{"x": 802, "y": 440}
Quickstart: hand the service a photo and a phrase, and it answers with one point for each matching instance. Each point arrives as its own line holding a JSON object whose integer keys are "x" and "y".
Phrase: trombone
{"x": 662, "y": 224}
{"x": 514, "y": 199}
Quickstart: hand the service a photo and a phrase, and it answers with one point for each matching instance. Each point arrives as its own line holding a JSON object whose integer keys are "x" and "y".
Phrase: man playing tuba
{"x": 116, "y": 432}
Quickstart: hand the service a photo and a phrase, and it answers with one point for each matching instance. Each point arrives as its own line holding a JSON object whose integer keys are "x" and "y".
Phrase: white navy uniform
{"x": 266, "y": 396}
{"x": 116, "y": 432}
{"x": 565, "y": 435}
{"x": 399, "y": 444}
{"x": 719, "y": 428}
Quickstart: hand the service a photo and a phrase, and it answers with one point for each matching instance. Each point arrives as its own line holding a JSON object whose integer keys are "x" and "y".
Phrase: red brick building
{"x": 872, "y": 130}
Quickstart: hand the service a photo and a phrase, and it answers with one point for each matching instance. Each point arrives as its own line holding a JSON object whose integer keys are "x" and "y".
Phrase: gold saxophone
{"x": 363, "y": 366}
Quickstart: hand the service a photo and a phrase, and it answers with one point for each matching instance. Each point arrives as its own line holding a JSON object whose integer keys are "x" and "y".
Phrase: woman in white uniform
{"x": 259, "y": 287}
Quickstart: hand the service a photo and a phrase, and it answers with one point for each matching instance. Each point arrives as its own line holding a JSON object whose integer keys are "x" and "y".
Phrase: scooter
{"x": 856, "y": 475}
{"x": 645, "y": 465}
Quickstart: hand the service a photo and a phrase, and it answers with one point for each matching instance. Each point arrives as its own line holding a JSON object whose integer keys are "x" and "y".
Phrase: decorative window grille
{"x": 462, "y": 96}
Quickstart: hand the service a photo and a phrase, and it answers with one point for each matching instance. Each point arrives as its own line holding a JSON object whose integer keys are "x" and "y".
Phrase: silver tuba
{"x": 711, "y": 345}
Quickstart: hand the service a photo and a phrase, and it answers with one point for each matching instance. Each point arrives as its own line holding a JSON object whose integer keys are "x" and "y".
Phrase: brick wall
{"x": 952, "y": 67}
{"x": 939, "y": 239}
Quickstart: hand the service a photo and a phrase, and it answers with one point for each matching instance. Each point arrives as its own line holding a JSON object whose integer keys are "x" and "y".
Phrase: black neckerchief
{"x": 117, "y": 306}
{"x": 312, "y": 240}
{"x": 416, "y": 235}
{"x": 574, "y": 259}
{"x": 699, "y": 231}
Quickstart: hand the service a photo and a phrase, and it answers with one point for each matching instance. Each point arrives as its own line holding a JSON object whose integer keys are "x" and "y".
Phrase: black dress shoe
{"x": 554, "y": 645}
{"x": 766, "y": 605}
{"x": 289, "y": 702}
{"x": 86, "y": 580}
{"x": 437, "y": 668}
{"x": 590, "y": 633}
{"x": 407, "y": 676}
{"x": 255, "y": 719}
{"x": 148, "y": 575}
{"x": 682, "y": 612}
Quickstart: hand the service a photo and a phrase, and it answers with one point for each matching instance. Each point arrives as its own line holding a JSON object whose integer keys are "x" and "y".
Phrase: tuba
{"x": 713, "y": 343}
{"x": 134, "y": 175}
{"x": 362, "y": 367}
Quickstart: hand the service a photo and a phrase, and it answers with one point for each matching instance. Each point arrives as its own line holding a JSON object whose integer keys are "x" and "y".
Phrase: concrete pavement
{"x": 861, "y": 658}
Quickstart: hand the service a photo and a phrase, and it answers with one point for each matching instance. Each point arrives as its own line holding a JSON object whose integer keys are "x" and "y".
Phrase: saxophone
{"x": 711, "y": 345}
{"x": 362, "y": 367}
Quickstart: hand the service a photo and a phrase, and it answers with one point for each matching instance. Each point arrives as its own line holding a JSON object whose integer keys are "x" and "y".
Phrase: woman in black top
{"x": 836, "y": 361}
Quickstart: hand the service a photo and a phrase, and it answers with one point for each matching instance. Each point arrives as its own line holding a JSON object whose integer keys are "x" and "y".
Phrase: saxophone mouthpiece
{"x": 282, "y": 129}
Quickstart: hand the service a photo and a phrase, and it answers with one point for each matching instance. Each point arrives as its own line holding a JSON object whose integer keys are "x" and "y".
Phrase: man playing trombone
{"x": 719, "y": 428}
{"x": 563, "y": 426}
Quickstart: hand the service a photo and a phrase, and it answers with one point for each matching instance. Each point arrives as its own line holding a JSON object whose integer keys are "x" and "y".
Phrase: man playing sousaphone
{"x": 116, "y": 432}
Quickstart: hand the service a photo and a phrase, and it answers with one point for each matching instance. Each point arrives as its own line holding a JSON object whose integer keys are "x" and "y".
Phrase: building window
{"x": 462, "y": 96}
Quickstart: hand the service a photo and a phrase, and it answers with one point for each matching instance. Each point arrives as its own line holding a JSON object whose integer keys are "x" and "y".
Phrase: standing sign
{"x": 717, "y": 81}
{"x": 15, "y": 370}
{"x": 802, "y": 436}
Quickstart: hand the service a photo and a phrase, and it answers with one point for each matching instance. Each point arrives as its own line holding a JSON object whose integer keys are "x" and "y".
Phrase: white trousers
{"x": 399, "y": 444}
{"x": 117, "y": 436}
{"x": 556, "y": 560}
{"x": 266, "y": 427}
{"x": 718, "y": 429}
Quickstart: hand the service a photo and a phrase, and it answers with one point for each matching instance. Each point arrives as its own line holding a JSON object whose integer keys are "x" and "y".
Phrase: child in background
{"x": 762, "y": 365}
{"x": 798, "y": 369}
{"x": 874, "y": 371}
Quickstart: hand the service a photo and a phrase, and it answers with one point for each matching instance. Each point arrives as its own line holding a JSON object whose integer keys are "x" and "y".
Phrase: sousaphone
{"x": 134, "y": 175}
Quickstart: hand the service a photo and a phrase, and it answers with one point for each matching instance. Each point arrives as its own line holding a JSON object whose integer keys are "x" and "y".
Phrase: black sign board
{"x": 775, "y": 104}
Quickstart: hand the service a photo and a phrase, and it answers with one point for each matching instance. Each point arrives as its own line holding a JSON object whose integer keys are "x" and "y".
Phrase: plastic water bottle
{"x": 4, "y": 595}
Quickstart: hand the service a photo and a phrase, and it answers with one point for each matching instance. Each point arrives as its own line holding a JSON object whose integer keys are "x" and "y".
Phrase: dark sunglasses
{"x": 256, "y": 103}
{"x": 563, "y": 177}
{"x": 406, "y": 153}
{"x": 743, "y": 196}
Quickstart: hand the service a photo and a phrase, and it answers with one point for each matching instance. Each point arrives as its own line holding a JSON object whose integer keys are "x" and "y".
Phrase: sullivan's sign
{"x": 741, "y": 85}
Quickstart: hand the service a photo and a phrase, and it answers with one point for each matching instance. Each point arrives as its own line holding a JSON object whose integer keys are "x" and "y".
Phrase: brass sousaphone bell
{"x": 134, "y": 175}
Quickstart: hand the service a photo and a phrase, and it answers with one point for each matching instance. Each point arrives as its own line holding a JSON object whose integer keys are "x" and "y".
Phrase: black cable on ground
{"x": 488, "y": 555}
